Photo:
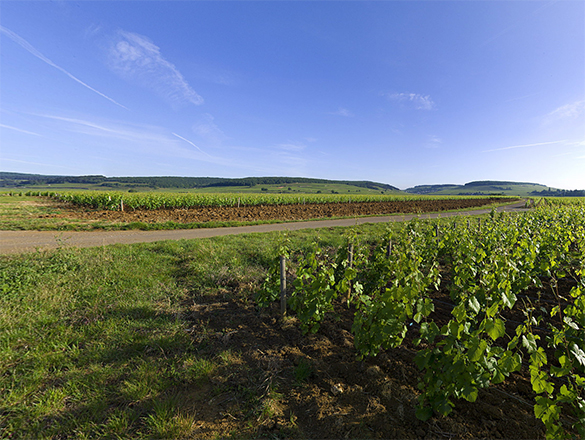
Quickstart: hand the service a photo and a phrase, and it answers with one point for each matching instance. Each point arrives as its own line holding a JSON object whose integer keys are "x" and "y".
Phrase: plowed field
{"x": 279, "y": 212}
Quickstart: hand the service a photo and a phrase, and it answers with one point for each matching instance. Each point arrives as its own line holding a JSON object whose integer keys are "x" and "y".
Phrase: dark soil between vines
{"x": 277, "y": 212}
{"x": 341, "y": 397}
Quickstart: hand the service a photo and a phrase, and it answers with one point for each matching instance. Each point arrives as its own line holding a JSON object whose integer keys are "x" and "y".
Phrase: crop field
{"x": 556, "y": 201}
{"x": 451, "y": 328}
{"x": 118, "y": 201}
{"x": 115, "y": 210}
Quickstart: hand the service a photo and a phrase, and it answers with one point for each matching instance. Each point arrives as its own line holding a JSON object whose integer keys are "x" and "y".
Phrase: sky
{"x": 400, "y": 92}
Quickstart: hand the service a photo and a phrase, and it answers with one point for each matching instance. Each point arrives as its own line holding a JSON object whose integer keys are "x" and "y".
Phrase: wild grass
{"x": 96, "y": 342}
{"x": 91, "y": 343}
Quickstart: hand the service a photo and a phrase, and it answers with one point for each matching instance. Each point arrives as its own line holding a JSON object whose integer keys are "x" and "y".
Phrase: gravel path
{"x": 12, "y": 242}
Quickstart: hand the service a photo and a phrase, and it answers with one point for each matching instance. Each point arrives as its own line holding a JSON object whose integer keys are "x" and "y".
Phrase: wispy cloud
{"x": 288, "y": 162}
{"x": 517, "y": 23}
{"x": 564, "y": 141}
{"x": 418, "y": 101}
{"x": 122, "y": 131}
{"x": 92, "y": 30}
{"x": 342, "y": 112}
{"x": 136, "y": 58}
{"x": 519, "y": 98}
{"x": 285, "y": 158}
{"x": 20, "y": 130}
{"x": 27, "y": 46}
{"x": 207, "y": 129}
{"x": 119, "y": 136}
{"x": 434, "y": 142}
{"x": 189, "y": 142}
{"x": 291, "y": 146}
{"x": 212, "y": 74}
{"x": 567, "y": 112}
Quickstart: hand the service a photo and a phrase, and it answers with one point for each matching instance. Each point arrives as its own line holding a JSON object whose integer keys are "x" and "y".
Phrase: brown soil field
{"x": 277, "y": 212}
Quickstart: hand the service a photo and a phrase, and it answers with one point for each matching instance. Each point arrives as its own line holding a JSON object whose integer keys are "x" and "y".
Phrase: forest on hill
{"x": 24, "y": 180}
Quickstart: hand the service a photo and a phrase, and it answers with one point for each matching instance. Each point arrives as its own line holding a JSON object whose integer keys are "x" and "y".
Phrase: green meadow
{"x": 97, "y": 343}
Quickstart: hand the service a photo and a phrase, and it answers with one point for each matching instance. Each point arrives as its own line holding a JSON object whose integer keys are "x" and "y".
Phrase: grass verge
{"x": 96, "y": 343}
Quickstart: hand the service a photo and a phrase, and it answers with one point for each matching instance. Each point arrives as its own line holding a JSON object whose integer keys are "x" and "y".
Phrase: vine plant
{"x": 499, "y": 322}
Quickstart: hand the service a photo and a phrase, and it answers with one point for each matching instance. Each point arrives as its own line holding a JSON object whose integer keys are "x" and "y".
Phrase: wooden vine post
{"x": 350, "y": 265}
{"x": 282, "y": 285}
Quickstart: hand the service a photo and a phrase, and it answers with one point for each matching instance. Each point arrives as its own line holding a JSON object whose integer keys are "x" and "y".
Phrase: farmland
{"x": 168, "y": 339}
{"x": 118, "y": 201}
{"x": 116, "y": 210}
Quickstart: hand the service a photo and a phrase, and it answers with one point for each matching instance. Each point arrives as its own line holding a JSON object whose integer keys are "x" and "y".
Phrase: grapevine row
{"x": 119, "y": 201}
{"x": 516, "y": 285}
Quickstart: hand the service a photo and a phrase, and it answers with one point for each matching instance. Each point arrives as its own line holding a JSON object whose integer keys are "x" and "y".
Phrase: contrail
{"x": 27, "y": 46}
{"x": 524, "y": 146}
{"x": 191, "y": 143}
{"x": 19, "y": 130}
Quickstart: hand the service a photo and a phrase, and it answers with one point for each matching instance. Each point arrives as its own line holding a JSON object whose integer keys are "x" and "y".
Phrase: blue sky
{"x": 401, "y": 92}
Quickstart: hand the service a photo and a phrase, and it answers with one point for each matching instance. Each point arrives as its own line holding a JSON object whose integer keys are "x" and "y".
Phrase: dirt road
{"x": 12, "y": 242}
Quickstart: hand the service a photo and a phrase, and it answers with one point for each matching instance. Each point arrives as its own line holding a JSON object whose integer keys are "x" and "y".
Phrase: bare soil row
{"x": 279, "y": 212}
{"x": 341, "y": 397}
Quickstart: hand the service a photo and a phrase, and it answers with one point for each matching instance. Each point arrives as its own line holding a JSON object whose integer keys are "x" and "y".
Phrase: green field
{"x": 297, "y": 188}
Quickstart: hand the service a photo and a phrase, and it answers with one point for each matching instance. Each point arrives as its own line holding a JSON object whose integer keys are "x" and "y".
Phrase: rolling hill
{"x": 218, "y": 184}
{"x": 486, "y": 187}
{"x": 10, "y": 180}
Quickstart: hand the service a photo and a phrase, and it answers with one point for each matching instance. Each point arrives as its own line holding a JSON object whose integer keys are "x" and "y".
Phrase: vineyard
{"x": 480, "y": 301}
{"x": 118, "y": 201}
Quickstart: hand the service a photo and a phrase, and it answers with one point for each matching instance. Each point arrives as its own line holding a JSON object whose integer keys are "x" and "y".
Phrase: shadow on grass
{"x": 129, "y": 380}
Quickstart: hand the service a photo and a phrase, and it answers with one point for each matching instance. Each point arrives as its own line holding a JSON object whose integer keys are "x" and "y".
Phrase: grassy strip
{"x": 92, "y": 343}
{"x": 96, "y": 342}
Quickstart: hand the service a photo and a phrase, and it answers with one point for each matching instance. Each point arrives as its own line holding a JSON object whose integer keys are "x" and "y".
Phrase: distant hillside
{"x": 432, "y": 189}
{"x": 272, "y": 184}
{"x": 486, "y": 187}
{"x": 20, "y": 180}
